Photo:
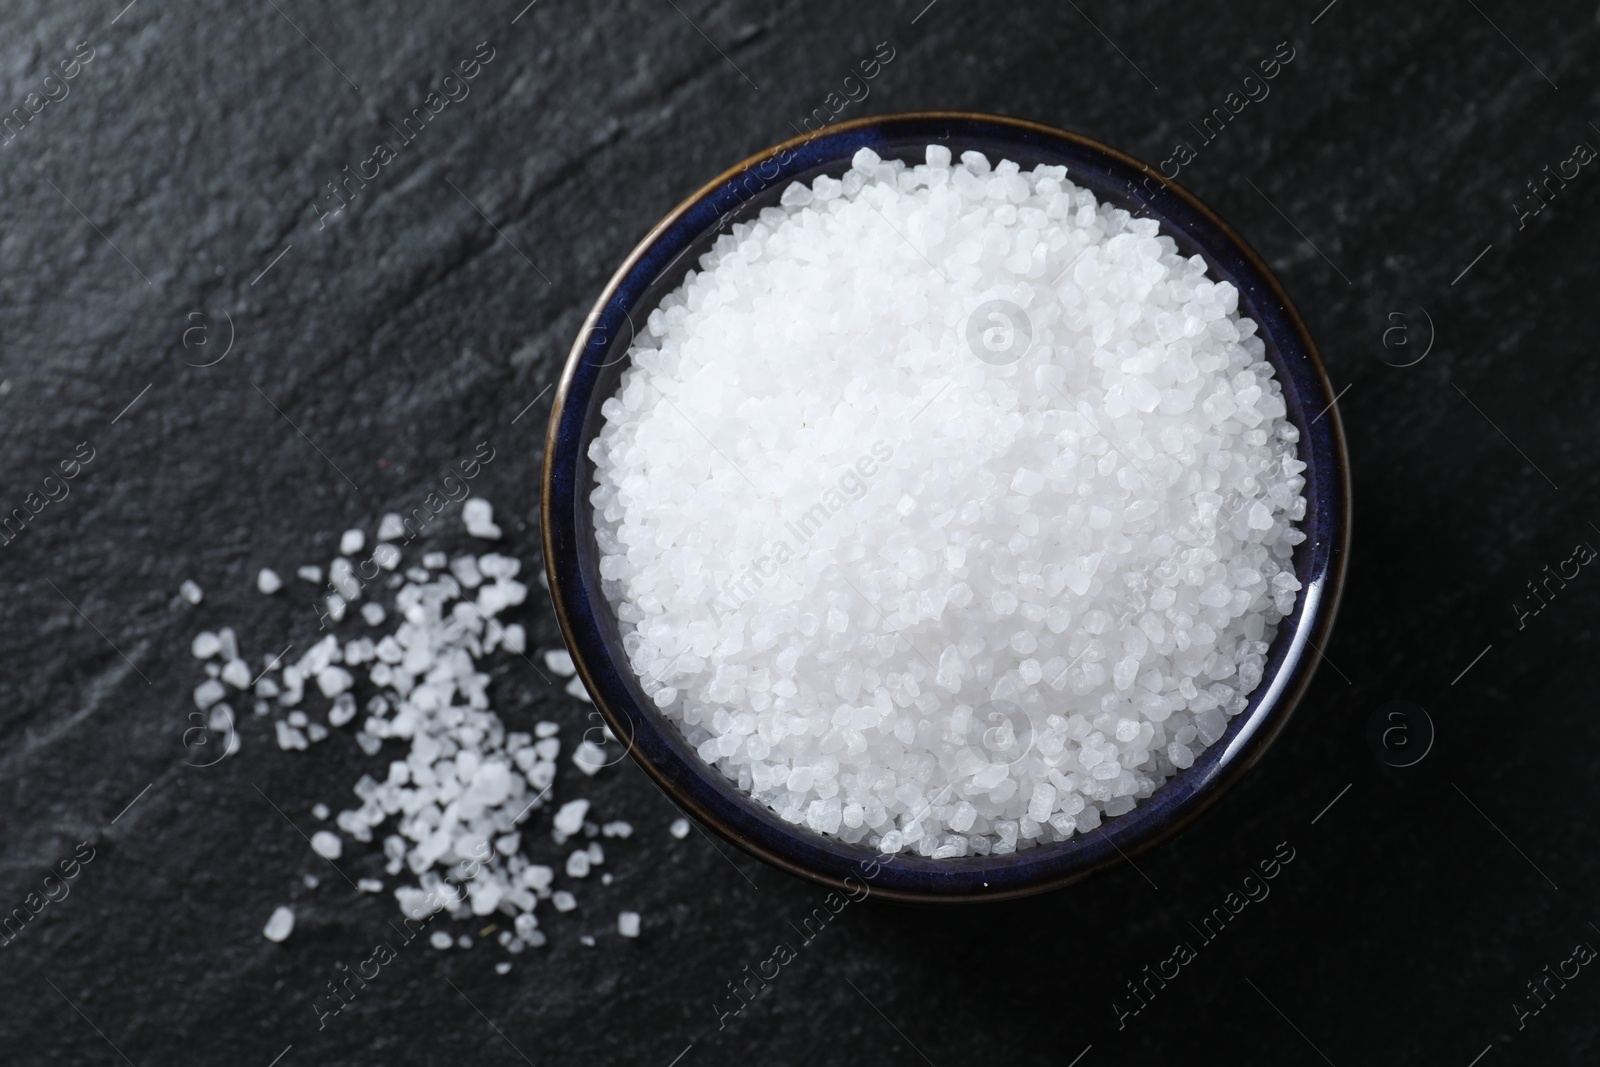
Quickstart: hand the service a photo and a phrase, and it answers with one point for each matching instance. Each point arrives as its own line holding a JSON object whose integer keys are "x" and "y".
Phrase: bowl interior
{"x": 592, "y": 374}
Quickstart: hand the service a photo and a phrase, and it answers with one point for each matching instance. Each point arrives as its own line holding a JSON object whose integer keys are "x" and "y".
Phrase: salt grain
{"x": 588, "y": 757}
{"x": 190, "y": 592}
{"x": 237, "y": 674}
{"x": 628, "y": 923}
{"x": 326, "y": 844}
{"x": 680, "y": 828}
{"x": 477, "y": 515}
{"x": 280, "y": 925}
{"x": 267, "y": 581}
{"x": 569, "y": 818}
{"x": 208, "y": 693}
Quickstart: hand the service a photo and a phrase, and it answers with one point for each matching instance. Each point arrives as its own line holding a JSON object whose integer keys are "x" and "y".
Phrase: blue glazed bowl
{"x": 595, "y": 366}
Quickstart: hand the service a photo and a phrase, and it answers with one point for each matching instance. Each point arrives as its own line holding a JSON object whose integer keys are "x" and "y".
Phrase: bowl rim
{"x": 1226, "y": 774}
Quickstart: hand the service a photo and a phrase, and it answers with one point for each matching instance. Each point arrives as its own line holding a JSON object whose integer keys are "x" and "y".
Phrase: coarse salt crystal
{"x": 477, "y": 515}
{"x": 588, "y": 757}
{"x": 569, "y": 817}
{"x": 326, "y": 844}
{"x": 280, "y": 925}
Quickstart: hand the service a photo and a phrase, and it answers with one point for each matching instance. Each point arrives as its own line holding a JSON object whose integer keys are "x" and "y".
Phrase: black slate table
{"x": 173, "y": 197}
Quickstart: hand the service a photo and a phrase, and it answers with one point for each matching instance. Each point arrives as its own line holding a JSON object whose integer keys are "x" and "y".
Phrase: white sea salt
{"x": 391, "y": 527}
{"x": 451, "y": 798}
{"x": 289, "y": 738}
{"x": 999, "y": 498}
{"x": 559, "y": 660}
{"x": 351, "y": 542}
{"x": 628, "y": 923}
{"x": 236, "y": 673}
{"x": 279, "y": 925}
{"x": 679, "y": 828}
{"x": 267, "y": 581}
{"x": 477, "y": 515}
{"x": 569, "y": 817}
{"x": 208, "y": 693}
{"x": 326, "y": 844}
{"x": 190, "y": 591}
{"x": 588, "y": 757}
{"x": 514, "y": 638}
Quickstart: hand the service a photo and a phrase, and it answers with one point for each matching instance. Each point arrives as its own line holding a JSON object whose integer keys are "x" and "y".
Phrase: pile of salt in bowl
{"x": 947, "y": 509}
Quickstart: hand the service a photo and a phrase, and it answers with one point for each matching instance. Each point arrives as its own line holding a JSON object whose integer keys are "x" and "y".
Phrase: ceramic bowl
{"x": 599, "y": 356}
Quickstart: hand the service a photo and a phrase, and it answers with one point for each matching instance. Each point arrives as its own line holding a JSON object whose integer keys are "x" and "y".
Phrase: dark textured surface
{"x": 197, "y": 140}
